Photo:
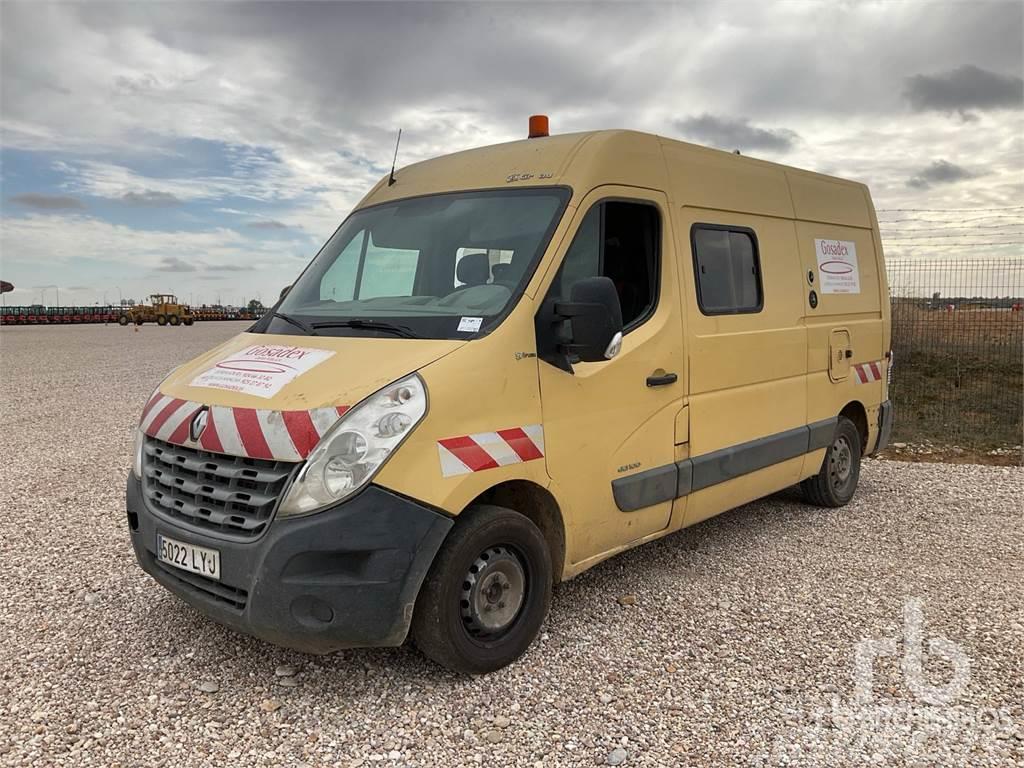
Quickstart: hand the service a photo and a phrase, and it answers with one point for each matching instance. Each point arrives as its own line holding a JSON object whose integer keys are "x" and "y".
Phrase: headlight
{"x": 140, "y": 442}
{"x": 352, "y": 451}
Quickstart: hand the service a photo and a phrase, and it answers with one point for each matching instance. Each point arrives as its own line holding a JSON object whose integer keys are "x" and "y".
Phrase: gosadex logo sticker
{"x": 837, "y": 266}
{"x": 261, "y": 370}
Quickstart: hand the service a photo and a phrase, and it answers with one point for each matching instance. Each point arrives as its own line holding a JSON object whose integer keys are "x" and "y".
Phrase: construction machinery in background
{"x": 163, "y": 309}
{"x": 39, "y": 314}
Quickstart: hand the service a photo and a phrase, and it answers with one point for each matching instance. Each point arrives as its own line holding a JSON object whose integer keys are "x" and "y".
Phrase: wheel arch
{"x": 538, "y": 505}
{"x": 855, "y": 412}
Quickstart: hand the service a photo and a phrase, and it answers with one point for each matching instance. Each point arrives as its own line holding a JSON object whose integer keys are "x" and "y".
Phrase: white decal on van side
{"x": 261, "y": 370}
{"x": 837, "y": 266}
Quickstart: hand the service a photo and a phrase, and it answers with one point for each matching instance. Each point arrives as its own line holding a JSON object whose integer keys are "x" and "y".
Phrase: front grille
{"x": 212, "y": 492}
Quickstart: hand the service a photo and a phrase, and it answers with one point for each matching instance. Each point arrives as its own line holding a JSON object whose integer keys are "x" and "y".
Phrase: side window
{"x": 618, "y": 240}
{"x": 727, "y": 270}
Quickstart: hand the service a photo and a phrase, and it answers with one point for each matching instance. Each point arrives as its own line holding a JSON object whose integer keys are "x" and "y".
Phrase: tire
{"x": 188, "y": 321}
{"x": 836, "y": 481}
{"x": 491, "y": 552}
{"x": 161, "y": 319}
{"x": 173, "y": 319}
{"x": 139, "y": 321}
{"x": 122, "y": 320}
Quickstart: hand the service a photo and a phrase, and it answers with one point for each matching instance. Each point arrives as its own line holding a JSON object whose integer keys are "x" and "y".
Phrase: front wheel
{"x": 486, "y": 594}
{"x": 173, "y": 319}
{"x": 122, "y": 320}
{"x": 161, "y": 319}
{"x": 188, "y": 321}
{"x": 836, "y": 481}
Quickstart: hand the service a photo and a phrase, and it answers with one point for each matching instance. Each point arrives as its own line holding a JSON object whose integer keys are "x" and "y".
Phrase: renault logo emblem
{"x": 195, "y": 429}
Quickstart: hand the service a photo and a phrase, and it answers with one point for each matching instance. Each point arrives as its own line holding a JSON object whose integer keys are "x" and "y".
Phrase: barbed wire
{"x": 1012, "y": 217}
{"x": 950, "y": 245}
{"x": 949, "y": 210}
{"x": 941, "y": 235}
{"x": 945, "y": 226}
{"x": 940, "y": 230}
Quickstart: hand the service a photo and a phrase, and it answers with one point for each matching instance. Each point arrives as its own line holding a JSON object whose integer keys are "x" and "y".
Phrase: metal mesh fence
{"x": 958, "y": 339}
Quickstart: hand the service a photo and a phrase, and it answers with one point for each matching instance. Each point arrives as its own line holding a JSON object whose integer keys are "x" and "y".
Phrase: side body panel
{"x": 469, "y": 440}
{"x": 747, "y": 374}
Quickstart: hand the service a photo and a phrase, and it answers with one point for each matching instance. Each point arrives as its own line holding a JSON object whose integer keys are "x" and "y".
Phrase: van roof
{"x": 689, "y": 174}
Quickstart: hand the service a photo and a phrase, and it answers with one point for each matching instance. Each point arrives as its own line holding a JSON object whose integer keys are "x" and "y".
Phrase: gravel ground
{"x": 730, "y": 643}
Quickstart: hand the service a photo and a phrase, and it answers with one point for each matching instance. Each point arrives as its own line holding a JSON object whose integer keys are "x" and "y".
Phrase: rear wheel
{"x": 836, "y": 481}
{"x": 173, "y": 319}
{"x": 122, "y": 320}
{"x": 486, "y": 594}
{"x": 161, "y": 319}
{"x": 187, "y": 321}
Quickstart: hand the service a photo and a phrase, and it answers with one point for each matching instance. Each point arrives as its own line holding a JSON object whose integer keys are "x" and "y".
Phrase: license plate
{"x": 188, "y": 557}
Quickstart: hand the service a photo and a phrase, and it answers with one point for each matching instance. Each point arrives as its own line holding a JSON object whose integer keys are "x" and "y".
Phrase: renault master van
{"x": 507, "y": 365}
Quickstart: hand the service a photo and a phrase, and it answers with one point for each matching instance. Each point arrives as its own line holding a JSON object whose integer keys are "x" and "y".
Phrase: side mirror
{"x": 284, "y": 292}
{"x": 595, "y": 317}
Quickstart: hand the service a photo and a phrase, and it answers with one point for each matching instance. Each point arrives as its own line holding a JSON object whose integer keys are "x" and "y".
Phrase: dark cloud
{"x": 174, "y": 264}
{"x": 269, "y": 224}
{"x": 43, "y": 202}
{"x": 735, "y": 133}
{"x": 962, "y": 89}
{"x": 150, "y": 197}
{"x": 228, "y": 268}
{"x": 939, "y": 172}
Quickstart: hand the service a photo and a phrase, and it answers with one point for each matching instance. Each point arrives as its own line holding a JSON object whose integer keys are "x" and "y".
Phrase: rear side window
{"x": 727, "y": 269}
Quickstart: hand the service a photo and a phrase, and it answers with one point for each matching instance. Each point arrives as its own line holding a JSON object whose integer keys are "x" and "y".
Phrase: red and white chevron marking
{"x": 865, "y": 373}
{"x": 251, "y": 432}
{"x": 488, "y": 450}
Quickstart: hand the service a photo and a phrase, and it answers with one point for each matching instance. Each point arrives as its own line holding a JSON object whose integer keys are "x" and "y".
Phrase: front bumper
{"x": 884, "y": 425}
{"x": 342, "y": 578}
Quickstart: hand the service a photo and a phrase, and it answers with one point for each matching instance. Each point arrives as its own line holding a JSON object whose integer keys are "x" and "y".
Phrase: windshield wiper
{"x": 309, "y": 329}
{"x": 370, "y": 325}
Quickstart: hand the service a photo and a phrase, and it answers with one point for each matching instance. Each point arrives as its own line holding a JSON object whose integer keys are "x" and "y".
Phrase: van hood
{"x": 271, "y": 396}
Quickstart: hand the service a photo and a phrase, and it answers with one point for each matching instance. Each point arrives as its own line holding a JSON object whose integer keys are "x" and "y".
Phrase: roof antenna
{"x": 391, "y": 179}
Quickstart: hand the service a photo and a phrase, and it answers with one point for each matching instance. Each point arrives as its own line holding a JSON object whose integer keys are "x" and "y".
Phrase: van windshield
{"x": 439, "y": 266}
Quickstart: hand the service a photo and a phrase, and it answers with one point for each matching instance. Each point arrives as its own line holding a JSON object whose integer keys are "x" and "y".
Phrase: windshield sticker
{"x": 470, "y": 324}
{"x": 837, "y": 266}
{"x": 261, "y": 370}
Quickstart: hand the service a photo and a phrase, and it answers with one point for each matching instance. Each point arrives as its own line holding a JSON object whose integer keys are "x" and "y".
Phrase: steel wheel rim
{"x": 493, "y": 593}
{"x": 840, "y": 463}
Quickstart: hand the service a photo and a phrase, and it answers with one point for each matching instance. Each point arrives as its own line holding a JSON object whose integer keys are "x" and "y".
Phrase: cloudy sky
{"x": 209, "y": 149}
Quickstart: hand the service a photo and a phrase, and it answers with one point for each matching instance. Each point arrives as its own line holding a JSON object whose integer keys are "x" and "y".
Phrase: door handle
{"x": 661, "y": 381}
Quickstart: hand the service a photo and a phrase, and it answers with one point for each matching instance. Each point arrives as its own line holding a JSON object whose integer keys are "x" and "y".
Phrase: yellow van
{"x": 505, "y": 366}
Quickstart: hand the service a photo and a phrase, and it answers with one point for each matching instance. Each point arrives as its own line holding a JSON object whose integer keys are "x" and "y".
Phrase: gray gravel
{"x": 730, "y": 643}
